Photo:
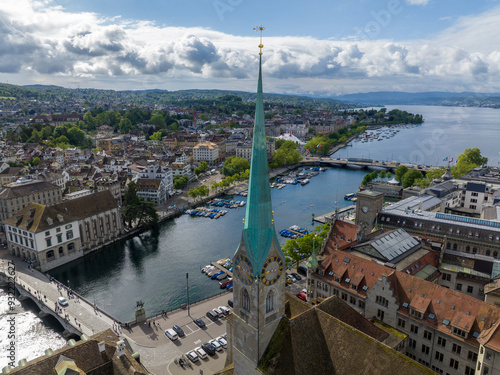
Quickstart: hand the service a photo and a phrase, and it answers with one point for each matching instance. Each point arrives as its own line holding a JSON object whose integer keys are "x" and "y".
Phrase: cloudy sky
{"x": 323, "y": 47}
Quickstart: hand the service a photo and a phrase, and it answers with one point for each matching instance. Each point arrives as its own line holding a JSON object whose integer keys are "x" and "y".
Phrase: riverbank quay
{"x": 323, "y": 219}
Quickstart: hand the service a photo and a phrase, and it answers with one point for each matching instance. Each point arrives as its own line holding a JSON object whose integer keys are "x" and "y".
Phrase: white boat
{"x": 305, "y": 181}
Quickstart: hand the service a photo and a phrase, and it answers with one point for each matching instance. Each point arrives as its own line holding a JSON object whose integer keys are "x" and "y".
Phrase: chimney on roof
{"x": 120, "y": 348}
{"x": 102, "y": 347}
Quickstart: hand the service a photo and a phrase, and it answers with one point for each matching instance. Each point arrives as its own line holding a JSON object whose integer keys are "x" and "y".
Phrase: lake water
{"x": 446, "y": 132}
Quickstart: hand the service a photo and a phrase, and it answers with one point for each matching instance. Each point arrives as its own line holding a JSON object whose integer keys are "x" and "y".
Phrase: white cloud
{"x": 51, "y": 45}
{"x": 418, "y": 2}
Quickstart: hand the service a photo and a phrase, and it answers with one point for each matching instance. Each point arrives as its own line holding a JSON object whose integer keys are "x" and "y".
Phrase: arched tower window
{"x": 270, "y": 301}
{"x": 467, "y": 249}
{"x": 245, "y": 300}
{"x": 448, "y": 246}
{"x": 455, "y": 246}
{"x": 488, "y": 252}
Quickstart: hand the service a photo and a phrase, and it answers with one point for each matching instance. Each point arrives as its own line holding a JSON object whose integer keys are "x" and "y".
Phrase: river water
{"x": 152, "y": 267}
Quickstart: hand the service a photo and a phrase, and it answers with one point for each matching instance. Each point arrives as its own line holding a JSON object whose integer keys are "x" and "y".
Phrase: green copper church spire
{"x": 259, "y": 231}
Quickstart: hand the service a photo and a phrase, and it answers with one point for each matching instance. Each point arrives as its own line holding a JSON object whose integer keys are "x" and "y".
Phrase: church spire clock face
{"x": 243, "y": 269}
{"x": 271, "y": 270}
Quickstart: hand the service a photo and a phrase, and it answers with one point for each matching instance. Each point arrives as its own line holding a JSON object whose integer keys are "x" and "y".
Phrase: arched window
{"x": 474, "y": 250}
{"x": 448, "y": 246}
{"x": 71, "y": 246}
{"x": 50, "y": 254}
{"x": 245, "y": 300}
{"x": 495, "y": 254}
{"x": 488, "y": 252}
{"x": 270, "y": 301}
{"x": 467, "y": 249}
{"x": 455, "y": 246}
{"x": 61, "y": 251}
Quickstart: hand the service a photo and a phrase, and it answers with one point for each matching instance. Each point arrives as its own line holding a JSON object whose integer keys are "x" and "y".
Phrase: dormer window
{"x": 49, "y": 221}
{"x": 416, "y": 314}
{"x": 459, "y": 332}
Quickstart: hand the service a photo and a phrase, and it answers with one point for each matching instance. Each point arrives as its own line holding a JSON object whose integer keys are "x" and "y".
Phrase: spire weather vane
{"x": 260, "y": 28}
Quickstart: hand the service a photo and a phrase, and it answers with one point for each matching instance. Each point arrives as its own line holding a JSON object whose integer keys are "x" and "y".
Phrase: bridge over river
{"x": 79, "y": 317}
{"x": 359, "y": 163}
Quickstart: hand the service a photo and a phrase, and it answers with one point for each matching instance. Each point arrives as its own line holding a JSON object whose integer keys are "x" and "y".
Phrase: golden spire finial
{"x": 260, "y": 28}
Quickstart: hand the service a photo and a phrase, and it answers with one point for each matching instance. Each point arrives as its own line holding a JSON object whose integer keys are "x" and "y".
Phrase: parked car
{"x": 289, "y": 280}
{"x": 201, "y": 353}
{"x": 222, "y": 341}
{"x": 230, "y": 302}
{"x": 218, "y": 312}
{"x": 199, "y": 322}
{"x": 62, "y": 301}
{"x": 216, "y": 345}
{"x": 229, "y": 287}
{"x": 302, "y": 296}
{"x": 224, "y": 310}
{"x": 212, "y": 315}
{"x": 296, "y": 275}
{"x": 178, "y": 330}
{"x": 208, "y": 348}
{"x": 302, "y": 270}
{"x": 193, "y": 357}
{"x": 171, "y": 334}
{"x": 292, "y": 278}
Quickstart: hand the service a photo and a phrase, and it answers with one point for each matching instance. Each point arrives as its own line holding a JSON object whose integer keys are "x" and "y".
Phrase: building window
{"x": 245, "y": 300}
{"x": 344, "y": 296}
{"x": 456, "y": 349}
{"x": 455, "y": 246}
{"x": 427, "y": 335}
{"x": 472, "y": 356}
{"x": 401, "y": 323}
{"x": 71, "y": 246}
{"x": 50, "y": 254}
{"x": 425, "y": 349}
{"x": 470, "y": 289}
{"x": 459, "y": 286}
{"x": 454, "y": 363}
{"x": 413, "y": 328}
{"x": 361, "y": 304}
{"x": 441, "y": 341}
{"x": 59, "y": 238}
{"x": 49, "y": 242}
{"x": 380, "y": 314}
{"x": 381, "y": 301}
{"x": 47, "y": 233}
{"x": 446, "y": 276}
{"x": 61, "y": 251}
{"x": 412, "y": 343}
{"x": 459, "y": 332}
{"x": 352, "y": 300}
{"x": 69, "y": 235}
{"x": 270, "y": 301}
{"x": 439, "y": 356}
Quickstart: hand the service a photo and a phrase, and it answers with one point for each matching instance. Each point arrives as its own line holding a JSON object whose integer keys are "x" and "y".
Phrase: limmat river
{"x": 152, "y": 267}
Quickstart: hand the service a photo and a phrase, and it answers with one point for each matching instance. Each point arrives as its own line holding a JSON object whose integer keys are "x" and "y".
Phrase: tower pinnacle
{"x": 260, "y": 28}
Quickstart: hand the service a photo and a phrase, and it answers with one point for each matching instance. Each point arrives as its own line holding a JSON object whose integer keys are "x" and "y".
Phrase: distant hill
{"x": 422, "y": 98}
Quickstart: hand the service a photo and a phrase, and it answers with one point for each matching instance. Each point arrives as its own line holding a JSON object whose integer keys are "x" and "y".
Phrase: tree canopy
{"x": 235, "y": 165}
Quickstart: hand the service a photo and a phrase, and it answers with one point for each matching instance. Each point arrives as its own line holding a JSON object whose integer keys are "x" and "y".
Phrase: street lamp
{"x": 187, "y": 290}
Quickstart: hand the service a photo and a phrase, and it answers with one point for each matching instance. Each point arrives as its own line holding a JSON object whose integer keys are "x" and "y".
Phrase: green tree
{"x": 76, "y": 136}
{"x": 400, "y": 171}
{"x": 156, "y": 136}
{"x": 268, "y": 116}
{"x": 180, "y": 182}
{"x": 158, "y": 120}
{"x": 410, "y": 176}
{"x": 35, "y": 161}
{"x": 297, "y": 111}
{"x": 202, "y": 168}
{"x": 434, "y": 173}
{"x": 472, "y": 156}
{"x": 389, "y": 175}
{"x": 125, "y": 126}
{"x": 173, "y": 127}
{"x": 383, "y": 173}
{"x": 234, "y": 165}
{"x": 300, "y": 248}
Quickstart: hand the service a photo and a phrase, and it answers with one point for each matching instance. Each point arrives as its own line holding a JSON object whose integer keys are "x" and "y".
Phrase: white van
{"x": 171, "y": 334}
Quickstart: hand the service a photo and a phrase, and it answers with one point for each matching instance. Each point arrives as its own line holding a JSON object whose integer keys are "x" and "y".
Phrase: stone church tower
{"x": 259, "y": 263}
